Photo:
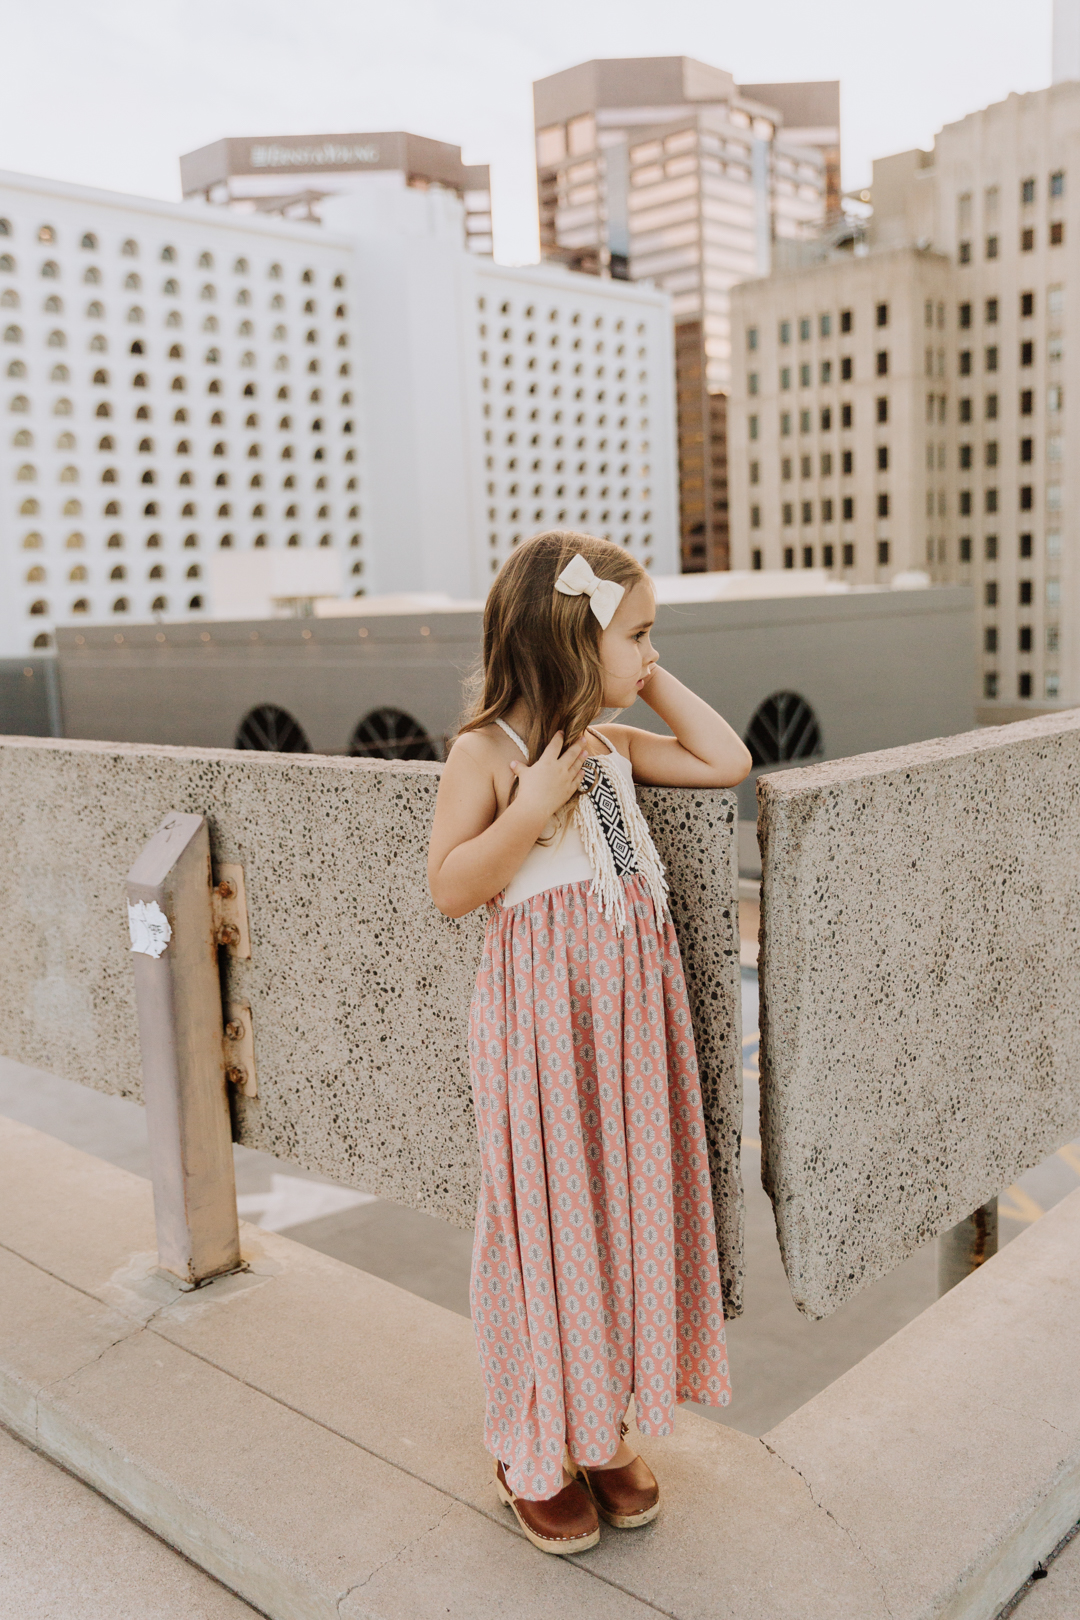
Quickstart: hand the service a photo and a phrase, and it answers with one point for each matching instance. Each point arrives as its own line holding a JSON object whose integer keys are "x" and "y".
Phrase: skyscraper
{"x": 664, "y": 169}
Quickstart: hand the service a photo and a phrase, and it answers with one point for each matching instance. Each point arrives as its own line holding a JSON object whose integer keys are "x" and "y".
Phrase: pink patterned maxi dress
{"x": 594, "y": 1271}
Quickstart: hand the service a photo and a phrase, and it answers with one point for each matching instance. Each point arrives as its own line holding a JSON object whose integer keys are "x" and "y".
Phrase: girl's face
{"x": 626, "y": 653}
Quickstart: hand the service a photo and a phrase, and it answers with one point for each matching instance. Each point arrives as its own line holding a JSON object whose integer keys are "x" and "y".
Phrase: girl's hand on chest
{"x": 546, "y": 786}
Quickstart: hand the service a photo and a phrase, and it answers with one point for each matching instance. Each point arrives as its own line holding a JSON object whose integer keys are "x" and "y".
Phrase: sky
{"x": 108, "y": 93}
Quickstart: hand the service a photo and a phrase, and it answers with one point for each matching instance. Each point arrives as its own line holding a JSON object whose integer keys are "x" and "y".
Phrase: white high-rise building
{"x": 179, "y": 379}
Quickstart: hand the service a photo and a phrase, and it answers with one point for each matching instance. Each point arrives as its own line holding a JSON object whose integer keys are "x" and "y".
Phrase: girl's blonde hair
{"x": 544, "y": 647}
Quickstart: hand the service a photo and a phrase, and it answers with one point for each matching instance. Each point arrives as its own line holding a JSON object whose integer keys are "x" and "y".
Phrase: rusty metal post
{"x": 178, "y": 992}
{"x": 966, "y": 1246}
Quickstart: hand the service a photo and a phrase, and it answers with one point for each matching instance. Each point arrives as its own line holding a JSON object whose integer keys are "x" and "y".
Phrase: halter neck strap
{"x": 513, "y": 736}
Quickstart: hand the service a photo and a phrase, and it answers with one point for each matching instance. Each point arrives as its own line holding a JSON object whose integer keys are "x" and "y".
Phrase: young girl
{"x": 594, "y": 1272}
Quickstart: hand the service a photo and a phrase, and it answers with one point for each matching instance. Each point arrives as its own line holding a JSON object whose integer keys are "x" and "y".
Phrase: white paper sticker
{"x": 149, "y": 926}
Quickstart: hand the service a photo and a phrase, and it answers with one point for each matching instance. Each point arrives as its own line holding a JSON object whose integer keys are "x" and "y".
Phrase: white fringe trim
{"x": 607, "y": 886}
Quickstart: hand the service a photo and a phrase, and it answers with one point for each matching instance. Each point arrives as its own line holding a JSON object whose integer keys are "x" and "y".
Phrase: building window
{"x": 826, "y": 511}
{"x": 1057, "y": 183}
{"x": 846, "y": 368}
{"x": 755, "y": 561}
{"x": 883, "y": 457}
{"x": 1024, "y": 641}
{"x": 990, "y": 638}
{"x": 1023, "y": 685}
{"x": 789, "y": 556}
{"x": 882, "y": 409}
{"x": 1057, "y": 232}
{"x": 1027, "y": 239}
{"x": 847, "y": 416}
{"x": 881, "y": 315}
{"x": 804, "y": 376}
{"x": 965, "y": 503}
{"x": 991, "y": 247}
{"x": 1025, "y": 593}
{"x": 990, "y": 684}
{"x": 788, "y": 514}
{"x": 826, "y": 419}
{"x": 753, "y": 427}
{"x": 808, "y": 511}
{"x": 751, "y": 337}
{"x": 785, "y": 424}
{"x": 755, "y": 517}
{"x": 1027, "y": 449}
{"x": 883, "y": 506}
{"x": 991, "y": 359}
{"x": 848, "y": 509}
{"x": 990, "y": 453}
{"x": 965, "y": 314}
{"x": 785, "y": 377}
{"x": 991, "y": 503}
{"x": 965, "y": 362}
{"x": 990, "y": 549}
{"x": 785, "y": 331}
{"x": 883, "y": 362}
{"x": 1027, "y": 497}
{"x": 965, "y": 457}
{"x": 847, "y": 462}
{"x": 826, "y": 373}
{"x": 964, "y": 253}
{"x": 848, "y": 554}
{"x": 1027, "y": 353}
{"x": 883, "y": 553}
{"x": 965, "y": 548}
{"x": 806, "y": 421}
{"x": 964, "y": 412}
{"x": 845, "y": 320}
{"x": 1027, "y": 191}
{"x": 752, "y": 383}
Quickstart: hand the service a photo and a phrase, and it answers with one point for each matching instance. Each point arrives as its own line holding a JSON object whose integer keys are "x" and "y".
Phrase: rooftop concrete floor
{"x": 66, "y": 1553}
{"x": 779, "y": 1359}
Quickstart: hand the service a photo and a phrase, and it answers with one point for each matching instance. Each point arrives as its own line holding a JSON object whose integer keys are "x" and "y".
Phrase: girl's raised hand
{"x": 546, "y": 786}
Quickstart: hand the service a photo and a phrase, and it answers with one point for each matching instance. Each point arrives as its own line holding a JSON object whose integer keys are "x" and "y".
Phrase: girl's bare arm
{"x": 475, "y": 851}
{"x": 704, "y": 751}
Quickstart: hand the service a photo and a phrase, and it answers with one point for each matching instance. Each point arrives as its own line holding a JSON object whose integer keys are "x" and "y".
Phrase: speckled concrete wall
{"x": 920, "y": 991}
{"x": 359, "y": 989}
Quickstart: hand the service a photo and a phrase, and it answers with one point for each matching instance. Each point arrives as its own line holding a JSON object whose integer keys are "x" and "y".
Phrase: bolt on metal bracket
{"x": 230, "y": 910}
{"x": 239, "y": 1049}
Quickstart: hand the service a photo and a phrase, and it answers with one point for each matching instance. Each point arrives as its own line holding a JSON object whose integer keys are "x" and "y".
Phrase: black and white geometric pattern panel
{"x": 598, "y": 786}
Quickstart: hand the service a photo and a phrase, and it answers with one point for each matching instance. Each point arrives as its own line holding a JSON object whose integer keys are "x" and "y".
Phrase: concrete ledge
{"x": 919, "y": 979}
{"x": 310, "y": 1435}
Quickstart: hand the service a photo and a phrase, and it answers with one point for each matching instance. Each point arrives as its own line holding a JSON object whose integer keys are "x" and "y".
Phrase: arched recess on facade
{"x": 391, "y": 734}
{"x": 269, "y": 728}
{"x": 783, "y": 728}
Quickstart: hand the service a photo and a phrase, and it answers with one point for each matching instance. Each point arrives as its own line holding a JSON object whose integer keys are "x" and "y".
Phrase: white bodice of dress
{"x": 563, "y": 860}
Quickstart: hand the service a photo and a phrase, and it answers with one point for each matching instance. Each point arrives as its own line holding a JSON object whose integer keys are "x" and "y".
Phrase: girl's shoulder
{"x": 484, "y": 746}
{"x": 618, "y": 736}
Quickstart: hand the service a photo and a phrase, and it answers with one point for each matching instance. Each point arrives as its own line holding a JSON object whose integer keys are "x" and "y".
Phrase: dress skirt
{"x": 594, "y": 1271}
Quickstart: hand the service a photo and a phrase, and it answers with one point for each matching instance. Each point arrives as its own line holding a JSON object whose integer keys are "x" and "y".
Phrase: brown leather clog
{"x": 561, "y": 1524}
{"x": 625, "y": 1497}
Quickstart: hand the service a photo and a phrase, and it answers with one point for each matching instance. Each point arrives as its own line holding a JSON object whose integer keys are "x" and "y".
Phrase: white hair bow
{"x": 578, "y": 579}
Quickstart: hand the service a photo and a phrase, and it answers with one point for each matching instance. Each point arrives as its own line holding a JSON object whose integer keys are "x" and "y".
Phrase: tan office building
{"x": 840, "y": 405}
{"x": 1005, "y": 183}
{"x": 983, "y": 230}
{"x": 663, "y": 168}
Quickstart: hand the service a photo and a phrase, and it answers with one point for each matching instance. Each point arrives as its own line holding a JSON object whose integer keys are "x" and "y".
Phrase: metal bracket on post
{"x": 966, "y": 1246}
{"x": 174, "y": 938}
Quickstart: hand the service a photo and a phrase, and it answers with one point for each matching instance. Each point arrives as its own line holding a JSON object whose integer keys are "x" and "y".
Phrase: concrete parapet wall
{"x": 359, "y": 989}
{"x": 920, "y": 980}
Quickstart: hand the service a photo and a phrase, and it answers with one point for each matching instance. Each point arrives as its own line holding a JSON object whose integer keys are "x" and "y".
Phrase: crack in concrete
{"x": 394, "y": 1557}
{"x": 829, "y": 1514}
